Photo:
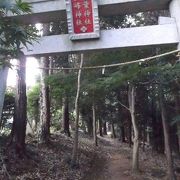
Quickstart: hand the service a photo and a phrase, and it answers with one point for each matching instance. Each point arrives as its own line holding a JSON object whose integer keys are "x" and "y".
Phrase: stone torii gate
{"x": 165, "y": 33}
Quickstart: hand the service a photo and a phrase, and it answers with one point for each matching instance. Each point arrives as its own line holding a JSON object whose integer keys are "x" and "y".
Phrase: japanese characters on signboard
{"x": 83, "y": 20}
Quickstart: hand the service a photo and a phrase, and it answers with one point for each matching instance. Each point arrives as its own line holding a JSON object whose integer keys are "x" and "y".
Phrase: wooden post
{"x": 174, "y": 9}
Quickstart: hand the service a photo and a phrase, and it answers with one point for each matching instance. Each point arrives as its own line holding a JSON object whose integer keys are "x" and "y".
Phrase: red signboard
{"x": 82, "y": 11}
{"x": 82, "y": 19}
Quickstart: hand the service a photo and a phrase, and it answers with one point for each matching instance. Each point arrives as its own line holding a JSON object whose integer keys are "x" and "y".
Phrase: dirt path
{"x": 118, "y": 168}
{"x": 115, "y": 167}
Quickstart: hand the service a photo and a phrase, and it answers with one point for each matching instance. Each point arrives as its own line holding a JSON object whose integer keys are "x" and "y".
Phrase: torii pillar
{"x": 174, "y": 9}
{"x": 3, "y": 79}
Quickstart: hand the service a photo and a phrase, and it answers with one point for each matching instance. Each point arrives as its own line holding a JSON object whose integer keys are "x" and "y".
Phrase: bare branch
{"x": 124, "y": 106}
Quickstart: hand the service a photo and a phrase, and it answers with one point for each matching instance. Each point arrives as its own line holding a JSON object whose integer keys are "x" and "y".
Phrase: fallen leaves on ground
{"x": 49, "y": 162}
{"x": 52, "y": 161}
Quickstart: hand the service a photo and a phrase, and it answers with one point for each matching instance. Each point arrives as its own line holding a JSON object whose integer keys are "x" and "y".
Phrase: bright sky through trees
{"x": 32, "y": 73}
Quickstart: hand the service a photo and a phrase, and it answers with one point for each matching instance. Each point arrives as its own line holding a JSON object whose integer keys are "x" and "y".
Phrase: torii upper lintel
{"x": 55, "y": 10}
{"x": 126, "y": 38}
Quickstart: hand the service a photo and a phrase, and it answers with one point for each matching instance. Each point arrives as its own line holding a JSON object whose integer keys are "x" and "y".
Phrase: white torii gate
{"x": 163, "y": 34}
{"x": 166, "y": 33}
{"x": 53, "y": 10}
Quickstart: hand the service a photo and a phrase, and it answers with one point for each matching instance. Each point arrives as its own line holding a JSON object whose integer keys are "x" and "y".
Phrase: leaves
{"x": 13, "y": 34}
{"x": 18, "y": 8}
{"x": 62, "y": 84}
{"x": 175, "y": 120}
{"x": 33, "y": 102}
{"x": 23, "y": 7}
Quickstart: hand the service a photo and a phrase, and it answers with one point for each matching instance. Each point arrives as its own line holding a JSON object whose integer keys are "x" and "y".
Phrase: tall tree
{"x": 171, "y": 174}
{"x": 8, "y": 42}
{"x": 44, "y": 95}
{"x": 20, "y": 117}
{"x": 100, "y": 127}
{"x": 12, "y": 36}
{"x": 94, "y": 123}
{"x": 75, "y": 146}
{"x": 65, "y": 115}
{"x": 65, "y": 103}
{"x": 44, "y": 103}
{"x": 131, "y": 99}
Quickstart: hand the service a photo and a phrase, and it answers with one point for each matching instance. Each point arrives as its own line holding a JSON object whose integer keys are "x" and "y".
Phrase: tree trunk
{"x": 83, "y": 125}
{"x": 122, "y": 134}
{"x": 157, "y": 134}
{"x": 112, "y": 130}
{"x": 104, "y": 128}
{"x": 75, "y": 146}
{"x": 144, "y": 138}
{"x": 44, "y": 103}
{"x": 129, "y": 132}
{"x": 3, "y": 79}
{"x": 131, "y": 99}
{"x": 44, "y": 97}
{"x": 94, "y": 124}
{"x": 20, "y": 117}
{"x": 65, "y": 117}
{"x": 100, "y": 128}
{"x": 171, "y": 174}
{"x": 121, "y": 115}
{"x": 65, "y": 108}
{"x": 177, "y": 106}
{"x": 90, "y": 126}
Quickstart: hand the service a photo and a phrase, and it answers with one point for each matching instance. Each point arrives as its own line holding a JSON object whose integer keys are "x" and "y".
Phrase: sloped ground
{"x": 50, "y": 162}
{"x": 118, "y": 164}
{"x": 111, "y": 160}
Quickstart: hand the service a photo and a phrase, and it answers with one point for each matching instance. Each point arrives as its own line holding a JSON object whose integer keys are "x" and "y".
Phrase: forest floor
{"x": 111, "y": 160}
{"x": 117, "y": 164}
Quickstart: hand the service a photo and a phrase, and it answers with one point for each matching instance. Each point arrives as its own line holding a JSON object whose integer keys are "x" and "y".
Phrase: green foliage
{"x": 105, "y": 89}
{"x": 8, "y": 108}
{"x": 17, "y": 8}
{"x": 175, "y": 120}
{"x": 33, "y": 103}
{"x": 21, "y": 6}
{"x": 62, "y": 84}
{"x": 12, "y": 33}
{"x": 55, "y": 122}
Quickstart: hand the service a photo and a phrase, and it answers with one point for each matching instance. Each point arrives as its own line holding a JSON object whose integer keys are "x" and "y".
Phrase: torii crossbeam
{"x": 55, "y": 10}
{"x": 48, "y": 10}
{"x": 167, "y": 32}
